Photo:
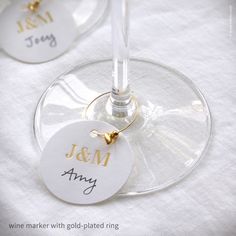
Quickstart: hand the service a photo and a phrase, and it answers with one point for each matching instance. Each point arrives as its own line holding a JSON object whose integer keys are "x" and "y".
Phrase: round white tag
{"x": 82, "y": 169}
{"x": 36, "y": 37}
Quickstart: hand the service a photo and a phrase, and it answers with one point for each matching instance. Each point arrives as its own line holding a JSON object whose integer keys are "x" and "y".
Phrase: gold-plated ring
{"x": 111, "y": 137}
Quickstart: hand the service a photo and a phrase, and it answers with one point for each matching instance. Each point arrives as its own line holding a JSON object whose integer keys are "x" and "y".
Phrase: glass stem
{"x": 120, "y": 98}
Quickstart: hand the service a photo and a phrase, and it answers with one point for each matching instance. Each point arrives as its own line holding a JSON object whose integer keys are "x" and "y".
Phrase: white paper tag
{"x": 36, "y": 37}
{"x": 82, "y": 169}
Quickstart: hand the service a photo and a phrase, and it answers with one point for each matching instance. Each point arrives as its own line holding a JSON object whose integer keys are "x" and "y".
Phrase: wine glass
{"x": 173, "y": 127}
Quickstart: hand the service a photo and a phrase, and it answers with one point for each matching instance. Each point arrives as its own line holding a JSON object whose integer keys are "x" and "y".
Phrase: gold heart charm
{"x": 111, "y": 137}
{"x": 34, "y": 6}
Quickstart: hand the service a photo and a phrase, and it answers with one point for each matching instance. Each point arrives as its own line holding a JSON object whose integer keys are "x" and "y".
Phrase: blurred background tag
{"x": 36, "y": 37}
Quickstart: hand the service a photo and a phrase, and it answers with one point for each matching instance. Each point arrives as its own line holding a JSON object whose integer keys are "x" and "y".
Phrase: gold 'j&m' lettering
{"x": 85, "y": 156}
{"x": 34, "y": 21}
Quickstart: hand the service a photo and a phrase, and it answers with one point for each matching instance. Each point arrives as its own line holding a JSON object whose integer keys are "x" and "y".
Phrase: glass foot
{"x": 170, "y": 135}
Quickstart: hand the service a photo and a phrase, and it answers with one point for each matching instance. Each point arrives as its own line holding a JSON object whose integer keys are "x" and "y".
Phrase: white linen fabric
{"x": 197, "y": 38}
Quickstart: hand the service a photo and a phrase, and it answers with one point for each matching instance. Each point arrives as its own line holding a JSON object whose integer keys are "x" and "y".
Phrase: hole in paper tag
{"x": 81, "y": 169}
{"x": 39, "y": 36}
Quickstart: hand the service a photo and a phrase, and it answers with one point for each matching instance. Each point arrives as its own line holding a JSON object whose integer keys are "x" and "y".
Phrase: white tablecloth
{"x": 197, "y": 38}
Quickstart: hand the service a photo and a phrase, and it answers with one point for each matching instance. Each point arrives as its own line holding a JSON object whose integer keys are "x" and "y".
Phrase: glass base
{"x": 170, "y": 135}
